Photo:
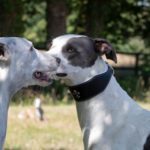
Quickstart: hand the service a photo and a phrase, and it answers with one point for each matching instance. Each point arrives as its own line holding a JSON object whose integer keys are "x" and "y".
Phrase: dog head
{"x": 22, "y": 64}
{"x": 76, "y": 54}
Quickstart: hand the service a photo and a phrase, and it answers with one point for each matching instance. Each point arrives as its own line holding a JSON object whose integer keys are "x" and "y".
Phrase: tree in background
{"x": 125, "y": 23}
{"x": 34, "y": 18}
{"x": 11, "y": 13}
{"x": 44, "y": 20}
{"x": 56, "y": 13}
{"x": 77, "y": 17}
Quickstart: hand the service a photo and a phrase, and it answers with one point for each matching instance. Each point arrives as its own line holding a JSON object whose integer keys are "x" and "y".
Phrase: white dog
{"x": 108, "y": 117}
{"x": 21, "y": 65}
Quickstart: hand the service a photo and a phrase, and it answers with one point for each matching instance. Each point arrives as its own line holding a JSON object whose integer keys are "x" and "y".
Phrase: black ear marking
{"x": 104, "y": 47}
{"x": 2, "y": 48}
{"x": 49, "y": 44}
{"x": 4, "y": 54}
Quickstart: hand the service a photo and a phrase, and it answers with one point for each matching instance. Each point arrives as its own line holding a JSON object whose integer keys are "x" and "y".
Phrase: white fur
{"x": 111, "y": 120}
{"x": 17, "y": 72}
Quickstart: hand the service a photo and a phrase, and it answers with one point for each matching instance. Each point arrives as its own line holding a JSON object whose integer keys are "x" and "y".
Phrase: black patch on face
{"x": 80, "y": 52}
{"x": 1, "y": 49}
{"x": 147, "y": 144}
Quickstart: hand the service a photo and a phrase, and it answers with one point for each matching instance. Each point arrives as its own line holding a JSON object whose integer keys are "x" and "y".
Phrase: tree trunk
{"x": 56, "y": 14}
{"x": 95, "y": 16}
{"x": 11, "y": 17}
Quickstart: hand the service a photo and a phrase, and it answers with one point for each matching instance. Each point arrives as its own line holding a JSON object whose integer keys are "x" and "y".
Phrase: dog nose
{"x": 58, "y": 60}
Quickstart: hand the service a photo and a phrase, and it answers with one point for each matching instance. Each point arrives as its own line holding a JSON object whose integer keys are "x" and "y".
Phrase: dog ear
{"x": 3, "y": 54}
{"x": 104, "y": 47}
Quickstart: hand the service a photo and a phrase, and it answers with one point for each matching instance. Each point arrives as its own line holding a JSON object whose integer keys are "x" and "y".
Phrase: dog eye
{"x": 37, "y": 74}
{"x": 70, "y": 50}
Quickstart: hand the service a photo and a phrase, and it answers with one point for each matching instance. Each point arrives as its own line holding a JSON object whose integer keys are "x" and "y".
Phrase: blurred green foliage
{"x": 125, "y": 23}
{"x": 11, "y": 13}
{"x": 76, "y": 19}
{"x": 35, "y": 21}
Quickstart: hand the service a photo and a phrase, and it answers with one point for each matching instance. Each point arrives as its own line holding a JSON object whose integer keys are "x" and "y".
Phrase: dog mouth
{"x": 42, "y": 77}
{"x": 61, "y": 74}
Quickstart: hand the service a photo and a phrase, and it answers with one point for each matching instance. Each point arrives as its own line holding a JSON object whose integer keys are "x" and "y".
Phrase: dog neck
{"x": 98, "y": 112}
{"x": 8, "y": 87}
{"x": 97, "y": 115}
{"x": 94, "y": 86}
{"x": 7, "y": 90}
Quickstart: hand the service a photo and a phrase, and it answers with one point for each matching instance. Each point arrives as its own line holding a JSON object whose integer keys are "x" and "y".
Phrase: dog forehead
{"x": 20, "y": 42}
{"x": 62, "y": 40}
{"x": 16, "y": 43}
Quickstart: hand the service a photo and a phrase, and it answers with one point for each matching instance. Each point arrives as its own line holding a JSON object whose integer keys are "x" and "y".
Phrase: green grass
{"x": 59, "y": 131}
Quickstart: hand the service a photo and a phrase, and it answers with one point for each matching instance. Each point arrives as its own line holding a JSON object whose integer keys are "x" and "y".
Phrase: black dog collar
{"x": 91, "y": 88}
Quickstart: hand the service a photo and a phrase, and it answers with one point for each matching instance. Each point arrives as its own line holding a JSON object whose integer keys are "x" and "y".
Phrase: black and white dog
{"x": 108, "y": 117}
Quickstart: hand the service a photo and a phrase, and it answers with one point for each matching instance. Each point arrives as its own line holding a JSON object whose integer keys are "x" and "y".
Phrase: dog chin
{"x": 45, "y": 83}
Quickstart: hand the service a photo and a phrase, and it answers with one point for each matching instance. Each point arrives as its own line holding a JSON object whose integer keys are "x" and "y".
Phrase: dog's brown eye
{"x": 70, "y": 50}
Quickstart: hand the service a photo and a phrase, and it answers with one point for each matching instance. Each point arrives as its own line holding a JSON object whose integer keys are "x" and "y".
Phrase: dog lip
{"x": 61, "y": 74}
{"x": 42, "y": 77}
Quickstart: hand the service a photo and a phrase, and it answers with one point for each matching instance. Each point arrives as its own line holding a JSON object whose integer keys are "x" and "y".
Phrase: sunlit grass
{"x": 60, "y": 130}
{"x": 145, "y": 105}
